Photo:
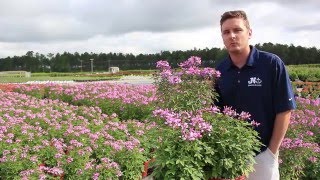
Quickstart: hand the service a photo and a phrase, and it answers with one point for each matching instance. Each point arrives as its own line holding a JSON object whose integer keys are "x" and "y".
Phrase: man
{"x": 255, "y": 81}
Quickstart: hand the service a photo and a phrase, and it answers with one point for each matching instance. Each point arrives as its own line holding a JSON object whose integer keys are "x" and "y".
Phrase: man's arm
{"x": 279, "y": 130}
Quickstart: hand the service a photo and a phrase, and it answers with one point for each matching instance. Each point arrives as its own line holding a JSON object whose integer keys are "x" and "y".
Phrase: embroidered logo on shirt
{"x": 255, "y": 81}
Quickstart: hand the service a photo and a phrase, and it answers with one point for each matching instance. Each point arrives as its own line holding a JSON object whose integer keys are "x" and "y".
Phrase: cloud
{"x": 311, "y": 27}
{"x": 85, "y": 19}
{"x": 146, "y": 26}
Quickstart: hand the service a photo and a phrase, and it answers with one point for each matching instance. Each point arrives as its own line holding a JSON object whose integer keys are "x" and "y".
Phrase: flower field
{"x": 42, "y": 138}
{"x": 106, "y": 131}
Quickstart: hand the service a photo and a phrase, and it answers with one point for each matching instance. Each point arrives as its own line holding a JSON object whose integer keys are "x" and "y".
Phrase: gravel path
{"x": 139, "y": 80}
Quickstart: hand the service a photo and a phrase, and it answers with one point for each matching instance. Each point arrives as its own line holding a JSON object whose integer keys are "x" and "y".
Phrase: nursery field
{"x": 104, "y": 130}
{"x": 79, "y": 77}
{"x": 304, "y": 72}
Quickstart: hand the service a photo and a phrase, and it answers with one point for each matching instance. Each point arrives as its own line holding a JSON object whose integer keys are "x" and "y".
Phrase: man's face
{"x": 235, "y": 35}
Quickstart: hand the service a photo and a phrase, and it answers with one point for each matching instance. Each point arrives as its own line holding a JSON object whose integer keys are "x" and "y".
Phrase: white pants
{"x": 266, "y": 166}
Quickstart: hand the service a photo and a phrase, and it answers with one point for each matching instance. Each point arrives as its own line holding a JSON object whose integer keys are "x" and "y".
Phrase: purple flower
{"x": 207, "y": 73}
{"x": 69, "y": 159}
{"x": 95, "y": 176}
{"x": 166, "y": 73}
{"x": 192, "y": 126}
{"x": 313, "y": 159}
{"x": 193, "y": 61}
{"x": 254, "y": 123}
{"x": 27, "y": 173}
{"x": 162, "y": 65}
{"x": 55, "y": 171}
{"x": 229, "y": 111}
{"x": 174, "y": 80}
{"x": 213, "y": 109}
{"x": 58, "y": 155}
{"x": 193, "y": 71}
{"x": 309, "y": 133}
{"x": 244, "y": 115}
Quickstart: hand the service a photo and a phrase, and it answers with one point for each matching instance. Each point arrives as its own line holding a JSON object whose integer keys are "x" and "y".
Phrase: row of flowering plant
{"x": 198, "y": 140}
{"x": 300, "y": 149}
{"x": 128, "y": 101}
{"x": 50, "y": 139}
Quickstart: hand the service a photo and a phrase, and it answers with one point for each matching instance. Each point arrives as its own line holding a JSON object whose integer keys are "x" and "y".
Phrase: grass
{"x": 47, "y": 78}
{"x": 56, "y": 76}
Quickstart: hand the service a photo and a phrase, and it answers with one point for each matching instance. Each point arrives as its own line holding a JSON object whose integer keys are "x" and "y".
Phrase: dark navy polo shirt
{"x": 261, "y": 87}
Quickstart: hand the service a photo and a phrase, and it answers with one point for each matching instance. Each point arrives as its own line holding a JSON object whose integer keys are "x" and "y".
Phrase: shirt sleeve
{"x": 283, "y": 93}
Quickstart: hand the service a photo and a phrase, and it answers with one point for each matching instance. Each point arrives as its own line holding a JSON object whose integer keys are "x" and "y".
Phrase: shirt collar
{"x": 253, "y": 56}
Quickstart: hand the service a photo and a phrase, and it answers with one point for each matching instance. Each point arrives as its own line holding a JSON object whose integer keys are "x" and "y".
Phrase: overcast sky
{"x": 147, "y": 26}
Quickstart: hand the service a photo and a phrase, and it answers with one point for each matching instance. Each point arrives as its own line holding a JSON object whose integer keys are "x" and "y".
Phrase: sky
{"x": 147, "y": 26}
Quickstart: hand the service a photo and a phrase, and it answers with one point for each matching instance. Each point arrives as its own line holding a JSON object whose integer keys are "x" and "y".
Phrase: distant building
{"x": 114, "y": 69}
{"x": 15, "y": 74}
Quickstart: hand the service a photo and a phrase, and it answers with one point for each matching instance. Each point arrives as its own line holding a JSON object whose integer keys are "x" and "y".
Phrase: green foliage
{"x": 295, "y": 162}
{"x": 304, "y": 72}
{"x": 125, "y": 111}
{"x": 192, "y": 95}
{"x": 129, "y": 161}
{"x": 227, "y": 152}
{"x": 312, "y": 170}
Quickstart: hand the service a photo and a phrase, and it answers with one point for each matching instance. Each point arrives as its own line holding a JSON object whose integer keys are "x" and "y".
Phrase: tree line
{"x": 68, "y": 62}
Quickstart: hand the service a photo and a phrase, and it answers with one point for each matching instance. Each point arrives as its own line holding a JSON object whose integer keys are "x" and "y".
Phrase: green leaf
{"x": 180, "y": 162}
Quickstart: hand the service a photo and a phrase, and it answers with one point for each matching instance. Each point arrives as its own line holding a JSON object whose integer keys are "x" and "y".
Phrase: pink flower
{"x": 193, "y": 61}
{"x": 244, "y": 116}
{"x": 55, "y": 171}
{"x": 69, "y": 159}
{"x": 34, "y": 158}
{"x": 229, "y": 111}
{"x": 27, "y": 172}
{"x": 58, "y": 155}
{"x": 95, "y": 176}
{"x": 162, "y": 64}
{"x": 174, "y": 80}
{"x": 192, "y": 126}
{"x": 208, "y": 73}
{"x": 193, "y": 71}
{"x": 309, "y": 133}
{"x": 5, "y": 152}
{"x": 313, "y": 159}
{"x": 213, "y": 109}
{"x": 166, "y": 73}
{"x": 89, "y": 165}
{"x": 254, "y": 123}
